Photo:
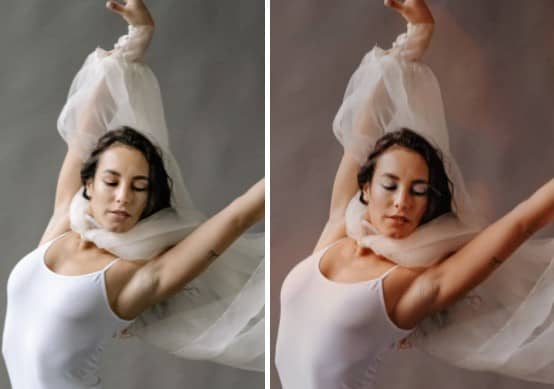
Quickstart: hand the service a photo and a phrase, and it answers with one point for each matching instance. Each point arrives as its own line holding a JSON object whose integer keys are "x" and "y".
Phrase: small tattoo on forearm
{"x": 213, "y": 254}
{"x": 496, "y": 261}
{"x": 527, "y": 233}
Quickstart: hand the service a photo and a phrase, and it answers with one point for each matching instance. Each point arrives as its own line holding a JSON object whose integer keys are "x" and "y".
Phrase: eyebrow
{"x": 114, "y": 173}
{"x": 394, "y": 177}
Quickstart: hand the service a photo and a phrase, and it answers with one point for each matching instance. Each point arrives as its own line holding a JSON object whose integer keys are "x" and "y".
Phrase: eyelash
{"x": 134, "y": 188}
{"x": 392, "y": 188}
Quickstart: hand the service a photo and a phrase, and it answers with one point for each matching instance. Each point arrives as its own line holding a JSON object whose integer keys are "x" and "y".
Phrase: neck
{"x": 361, "y": 251}
{"x": 84, "y": 244}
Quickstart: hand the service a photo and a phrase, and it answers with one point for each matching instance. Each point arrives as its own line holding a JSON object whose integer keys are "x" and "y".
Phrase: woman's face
{"x": 397, "y": 194}
{"x": 119, "y": 190}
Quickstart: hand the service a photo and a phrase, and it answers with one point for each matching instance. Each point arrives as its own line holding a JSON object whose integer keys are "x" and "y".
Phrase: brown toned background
{"x": 495, "y": 62}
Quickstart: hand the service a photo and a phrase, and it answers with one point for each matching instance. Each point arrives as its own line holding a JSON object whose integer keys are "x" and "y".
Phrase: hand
{"x": 134, "y": 12}
{"x": 414, "y": 11}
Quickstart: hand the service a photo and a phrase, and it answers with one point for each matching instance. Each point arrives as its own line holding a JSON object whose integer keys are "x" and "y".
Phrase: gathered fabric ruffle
{"x": 506, "y": 324}
{"x": 219, "y": 315}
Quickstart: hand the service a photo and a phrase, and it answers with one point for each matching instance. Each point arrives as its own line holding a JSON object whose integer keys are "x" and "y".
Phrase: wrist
{"x": 251, "y": 205}
{"x": 142, "y": 20}
{"x": 539, "y": 208}
{"x": 134, "y": 44}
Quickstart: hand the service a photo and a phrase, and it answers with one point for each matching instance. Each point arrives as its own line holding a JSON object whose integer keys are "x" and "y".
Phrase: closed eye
{"x": 135, "y": 188}
{"x": 420, "y": 189}
{"x": 389, "y": 187}
{"x": 417, "y": 193}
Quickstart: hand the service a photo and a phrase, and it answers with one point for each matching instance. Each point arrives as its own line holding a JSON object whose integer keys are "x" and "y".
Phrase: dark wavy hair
{"x": 440, "y": 193}
{"x": 159, "y": 183}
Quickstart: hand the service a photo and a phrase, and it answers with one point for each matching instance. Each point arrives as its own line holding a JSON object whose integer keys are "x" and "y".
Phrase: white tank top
{"x": 331, "y": 335}
{"x": 56, "y": 326}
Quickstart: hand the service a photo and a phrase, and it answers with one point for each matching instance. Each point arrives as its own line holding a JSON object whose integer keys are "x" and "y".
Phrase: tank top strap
{"x": 317, "y": 255}
{"x": 48, "y": 243}
{"x": 385, "y": 274}
{"x": 105, "y": 269}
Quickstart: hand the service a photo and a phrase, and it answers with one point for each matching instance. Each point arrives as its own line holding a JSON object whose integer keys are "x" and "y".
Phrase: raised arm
{"x": 69, "y": 179}
{"x": 68, "y": 184}
{"x": 90, "y": 124}
{"x": 363, "y": 119}
{"x": 344, "y": 187}
{"x": 162, "y": 277}
{"x": 439, "y": 286}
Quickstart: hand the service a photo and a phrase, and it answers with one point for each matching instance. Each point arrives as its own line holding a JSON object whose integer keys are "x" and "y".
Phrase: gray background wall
{"x": 209, "y": 58}
{"x": 495, "y": 62}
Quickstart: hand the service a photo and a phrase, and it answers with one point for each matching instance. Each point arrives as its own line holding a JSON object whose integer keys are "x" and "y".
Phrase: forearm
{"x": 538, "y": 211}
{"x": 192, "y": 255}
{"x": 334, "y": 230}
{"x": 89, "y": 126}
{"x": 488, "y": 250}
{"x": 58, "y": 224}
{"x": 344, "y": 188}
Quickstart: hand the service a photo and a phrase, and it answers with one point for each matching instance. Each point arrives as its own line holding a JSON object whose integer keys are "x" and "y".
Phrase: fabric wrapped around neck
{"x": 506, "y": 324}
{"x": 219, "y": 315}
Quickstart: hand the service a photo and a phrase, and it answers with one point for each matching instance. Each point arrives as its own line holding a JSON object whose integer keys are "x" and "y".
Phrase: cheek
{"x": 96, "y": 192}
{"x": 99, "y": 197}
{"x": 421, "y": 205}
{"x": 379, "y": 201}
{"x": 99, "y": 189}
{"x": 141, "y": 201}
{"x": 380, "y": 198}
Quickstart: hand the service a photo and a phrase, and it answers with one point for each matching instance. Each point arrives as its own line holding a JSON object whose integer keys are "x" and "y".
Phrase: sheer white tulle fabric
{"x": 506, "y": 324}
{"x": 219, "y": 315}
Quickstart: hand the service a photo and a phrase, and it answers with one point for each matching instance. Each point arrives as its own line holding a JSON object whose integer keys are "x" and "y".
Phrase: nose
{"x": 123, "y": 195}
{"x": 402, "y": 199}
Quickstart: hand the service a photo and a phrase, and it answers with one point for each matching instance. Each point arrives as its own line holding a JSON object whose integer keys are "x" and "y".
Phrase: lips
{"x": 120, "y": 214}
{"x": 399, "y": 219}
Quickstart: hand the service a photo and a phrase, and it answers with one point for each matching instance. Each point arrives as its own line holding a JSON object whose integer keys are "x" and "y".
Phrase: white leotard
{"x": 331, "y": 335}
{"x": 56, "y": 326}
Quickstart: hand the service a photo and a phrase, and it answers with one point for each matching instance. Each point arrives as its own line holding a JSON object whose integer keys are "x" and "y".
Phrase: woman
{"x": 115, "y": 247}
{"x": 406, "y": 247}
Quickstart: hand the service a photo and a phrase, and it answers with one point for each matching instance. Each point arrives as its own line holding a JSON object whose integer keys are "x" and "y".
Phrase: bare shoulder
{"x": 402, "y": 273}
{"x": 396, "y": 286}
{"x": 128, "y": 265}
{"x": 410, "y": 294}
{"x": 124, "y": 271}
{"x": 399, "y": 281}
{"x": 133, "y": 286}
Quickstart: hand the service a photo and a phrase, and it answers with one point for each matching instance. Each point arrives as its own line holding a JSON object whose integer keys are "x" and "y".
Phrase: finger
{"x": 134, "y": 3}
{"x": 394, "y": 4}
{"x": 115, "y": 7}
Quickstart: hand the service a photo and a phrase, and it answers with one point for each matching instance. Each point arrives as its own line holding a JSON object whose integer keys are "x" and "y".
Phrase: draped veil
{"x": 506, "y": 324}
{"x": 219, "y": 315}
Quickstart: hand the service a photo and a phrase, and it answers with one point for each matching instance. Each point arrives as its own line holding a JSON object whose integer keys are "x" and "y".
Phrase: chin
{"x": 398, "y": 233}
{"x": 395, "y": 235}
{"x": 118, "y": 228}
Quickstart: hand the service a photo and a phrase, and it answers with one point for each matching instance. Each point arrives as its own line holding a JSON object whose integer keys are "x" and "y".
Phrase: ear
{"x": 366, "y": 192}
{"x": 89, "y": 187}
